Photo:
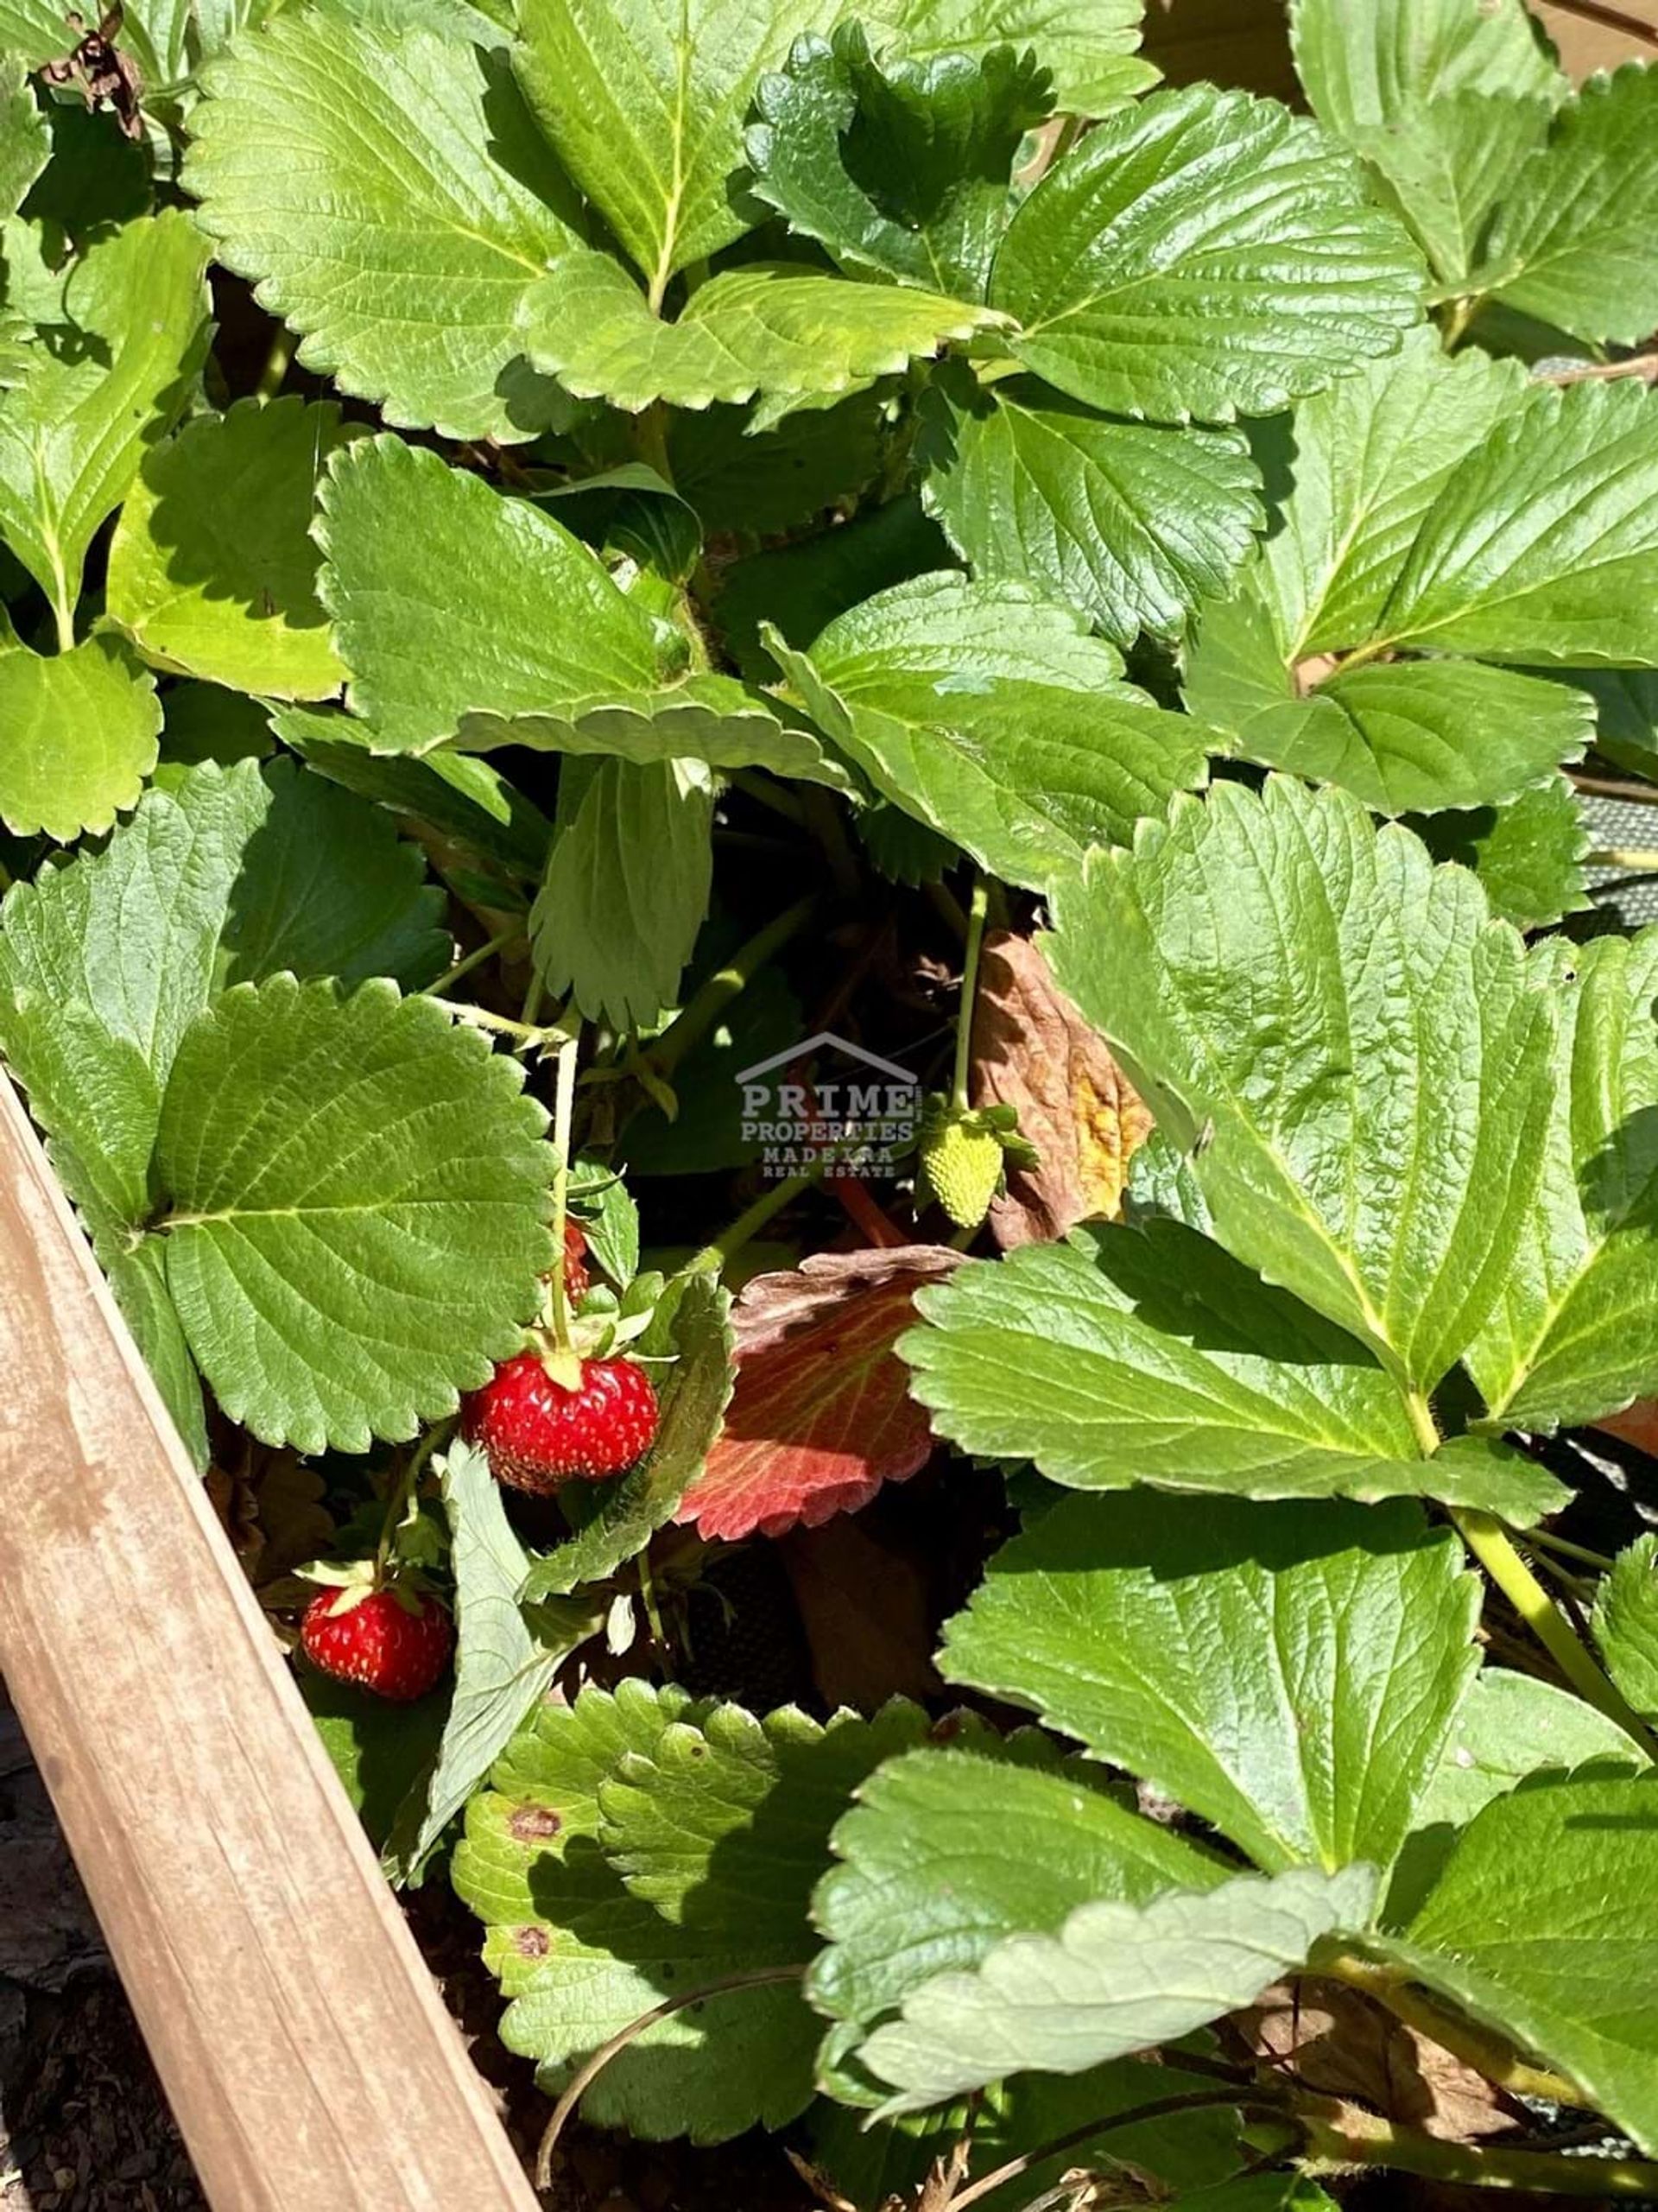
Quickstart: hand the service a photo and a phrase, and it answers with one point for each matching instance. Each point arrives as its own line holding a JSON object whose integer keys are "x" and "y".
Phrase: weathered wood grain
{"x": 298, "y": 2033}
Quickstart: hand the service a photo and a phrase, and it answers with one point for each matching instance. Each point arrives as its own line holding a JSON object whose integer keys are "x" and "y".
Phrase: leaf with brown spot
{"x": 1033, "y": 1050}
{"x": 1341, "y": 2044}
{"x": 821, "y": 1415}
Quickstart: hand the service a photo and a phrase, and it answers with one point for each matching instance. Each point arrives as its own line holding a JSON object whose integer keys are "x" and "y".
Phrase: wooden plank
{"x": 299, "y": 2037}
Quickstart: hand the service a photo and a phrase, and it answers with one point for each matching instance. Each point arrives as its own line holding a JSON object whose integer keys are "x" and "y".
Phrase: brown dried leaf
{"x": 821, "y": 1415}
{"x": 271, "y": 1509}
{"x": 1032, "y": 1049}
{"x": 1341, "y": 2044}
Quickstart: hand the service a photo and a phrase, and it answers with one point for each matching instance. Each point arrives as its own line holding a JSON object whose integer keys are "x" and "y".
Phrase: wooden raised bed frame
{"x": 300, "y": 2040}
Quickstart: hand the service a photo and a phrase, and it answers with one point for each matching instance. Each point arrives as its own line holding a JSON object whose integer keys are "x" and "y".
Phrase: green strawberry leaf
{"x": 462, "y": 798}
{"x": 1511, "y": 1727}
{"x": 1289, "y": 1673}
{"x": 1393, "y": 58}
{"x": 1372, "y": 456}
{"x": 1528, "y": 852}
{"x": 1373, "y": 1098}
{"x": 993, "y": 718}
{"x": 1411, "y": 737}
{"x": 794, "y": 337}
{"x": 1545, "y": 1924}
{"x": 1626, "y": 1623}
{"x": 739, "y": 480}
{"x": 25, "y": 143}
{"x": 1571, "y": 243}
{"x": 948, "y": 1853}
{"x": 458, "y": 610}
{"x": 904, "y": 167}
{"x": 1574, "y": 1333}
{"x": 1149, "y": 1355}
{"x": 78, "y": 733}
{"x": 1448, "y": 166}
{"x": 725, "y": 1820}
{"x": 505, "y": 1659}
{"x": 626, "y": 889}
{"x": 1542, "y": 545}
{"x": 1206, "y": 254}
{"x": 1117, "y": 1978}
{"x": 1088, "y": 45}
{"x": 647, "y": 110}
{"x": 343, "y": 1176}
{"x": 232, "y": 876}
{"x": 212, "y": 570}
{"x": 389, "y": 196}
{"x": 1135, "y": 524}
{"x": 687, "y": 1350}
{"x": 75, "y": 428}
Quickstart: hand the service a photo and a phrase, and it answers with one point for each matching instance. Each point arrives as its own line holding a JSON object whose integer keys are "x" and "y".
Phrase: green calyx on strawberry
{"x": 964, "y": 1156}
{"x": 393, "y": 1638}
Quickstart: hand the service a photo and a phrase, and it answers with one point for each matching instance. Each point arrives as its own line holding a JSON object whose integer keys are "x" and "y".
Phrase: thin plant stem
{"x": 1422, "y": 1421}
{"x": 1632, "y": 860}
{"x": 1613, "y": 19}
{"x": 63, "y": 618}
{"x": 472, "y": 960}
{"x": 715, "y": 1256}
{"x": 766, "y": 792}
{"x": 403, "y": 1490}
{"x": 1345, "y": 2135}
{"x": 695, "y": 1019}
{"x": 1615, "y": 787}
{"x": 1160, "y": 2108}
{"x": 1457, "y": 323}
{"x": 754, "y": 1978}
{"x": 1490, "y": 1544}
{"x": 1643, "y": 365}
{"x": 1487, "y": 2054}
{"x": 979, "y": 907}
{"x": 563, "y": 1101}
{"x": 1548, "y": 1541}
{"x": 528, "y": 1034}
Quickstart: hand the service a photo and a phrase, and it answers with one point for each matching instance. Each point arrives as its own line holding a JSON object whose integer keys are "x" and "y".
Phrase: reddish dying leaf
{"x": 1638, "y": 1424}
{"x": 821, "y": 1415}
{"x": 1032, "y": 1049}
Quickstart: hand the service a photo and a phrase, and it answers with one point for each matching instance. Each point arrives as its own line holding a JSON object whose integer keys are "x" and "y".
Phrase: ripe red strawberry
{"x": 576, "y": 1275}
{"x": 538, "y": 1435}
{"x": 378, "y": 1643}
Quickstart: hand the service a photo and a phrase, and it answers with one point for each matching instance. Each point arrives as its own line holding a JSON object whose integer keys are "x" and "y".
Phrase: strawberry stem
{"x": 475, "y": 958}
{"x": 715, "y": 1258}
{"x": 564, "y": 1100}
{"x": 699, "y": 1013}
{"x": 401, "y": 1491}
{"x": 976, "y": 912}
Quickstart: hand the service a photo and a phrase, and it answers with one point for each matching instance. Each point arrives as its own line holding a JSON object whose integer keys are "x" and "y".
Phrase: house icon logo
{"x": 826, "y": 1103}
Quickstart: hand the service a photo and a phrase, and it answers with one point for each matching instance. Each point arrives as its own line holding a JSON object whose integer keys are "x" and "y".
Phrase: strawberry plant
{"x": 770, "y": 762}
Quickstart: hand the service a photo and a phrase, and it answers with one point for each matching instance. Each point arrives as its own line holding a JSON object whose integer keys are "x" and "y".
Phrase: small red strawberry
{"x": 394, "y": 1642}
{"x": 538, "y": 1435}
{"x": 576, "y": 1279}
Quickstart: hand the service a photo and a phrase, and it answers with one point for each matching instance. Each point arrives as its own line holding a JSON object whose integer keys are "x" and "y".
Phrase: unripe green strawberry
{"x": 961, "y": 1167}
